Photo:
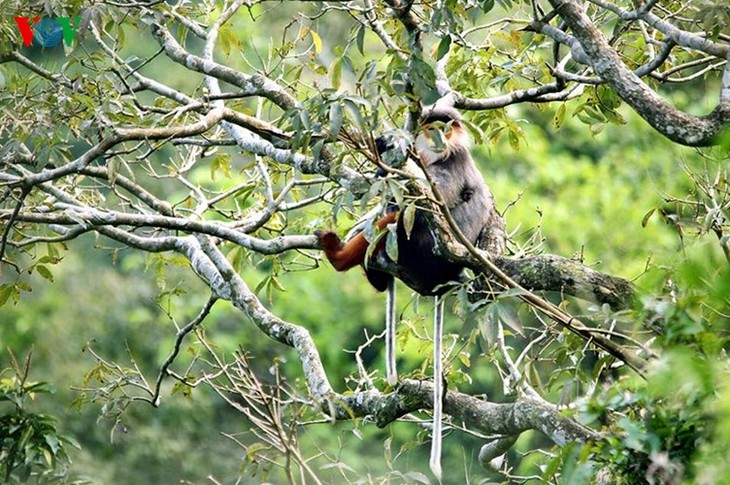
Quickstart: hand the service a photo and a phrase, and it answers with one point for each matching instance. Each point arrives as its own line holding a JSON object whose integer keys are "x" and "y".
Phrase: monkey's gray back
{"x": 466, "y": 194}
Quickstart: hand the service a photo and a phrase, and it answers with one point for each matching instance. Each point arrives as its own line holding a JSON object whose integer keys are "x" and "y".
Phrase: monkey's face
{"x": 438, "y": 139}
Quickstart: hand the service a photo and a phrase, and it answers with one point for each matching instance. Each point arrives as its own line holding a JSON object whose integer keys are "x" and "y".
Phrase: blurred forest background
{"x": 611, "y": 193}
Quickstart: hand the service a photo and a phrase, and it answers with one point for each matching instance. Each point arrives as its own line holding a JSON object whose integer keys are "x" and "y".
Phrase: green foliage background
{"x": 586, "y": 189}
{"x": 592, "y": 192}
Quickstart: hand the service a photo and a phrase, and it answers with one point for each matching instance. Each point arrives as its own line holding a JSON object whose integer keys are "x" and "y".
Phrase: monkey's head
{"x": 441, "y": 133}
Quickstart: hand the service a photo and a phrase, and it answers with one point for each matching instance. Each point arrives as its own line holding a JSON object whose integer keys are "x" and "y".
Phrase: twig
{"x": 179, "y": 337}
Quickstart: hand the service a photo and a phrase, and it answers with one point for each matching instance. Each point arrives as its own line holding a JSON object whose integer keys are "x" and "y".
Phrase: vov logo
{"x": 49, "y": 31}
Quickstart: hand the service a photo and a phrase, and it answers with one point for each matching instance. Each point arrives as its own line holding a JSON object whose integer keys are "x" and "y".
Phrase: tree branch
{"x": 593, "y": 49}
{"x": 230, "y": 286}
{"x": 250, "y": 85}
{"x": 79, "y": 215}
{"x": 548, "y": 272}
{"x": 490, "y": 418}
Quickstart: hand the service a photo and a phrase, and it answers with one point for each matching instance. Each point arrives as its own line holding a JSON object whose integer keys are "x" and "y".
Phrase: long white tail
{"x": 391, "y": 373}
{"x": 438, "y": 370}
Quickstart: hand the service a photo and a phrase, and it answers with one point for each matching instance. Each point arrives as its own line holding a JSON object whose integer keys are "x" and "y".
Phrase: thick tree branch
{"x": 536, "y": 93}
{"x": 251, "y": 85}
{"x": 491, "y": 418}
{"x": 230, "y": 286}
{"x": 87, "y": 216}
{"x": 592, "y": 47}
{"x": 410, "y": 396}
{"x": 548, "y": 272}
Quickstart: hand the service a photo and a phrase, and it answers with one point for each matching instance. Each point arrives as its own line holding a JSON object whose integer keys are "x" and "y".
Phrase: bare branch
{"x": 179, "y": 337}
{"x": 232, "y": 287}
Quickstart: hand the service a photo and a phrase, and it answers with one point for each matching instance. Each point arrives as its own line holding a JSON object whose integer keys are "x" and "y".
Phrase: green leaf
{"x": 443, "y": 47}
{"x": 391, "y": 242}
{"x": 647, "y": 216}
{"x": 229, "y": 39}
{"x": 388, "y": 451}
{"x": 397, "y": 190}
{"x": 336, "y": 119}
{"x": 409, "y": 218}
{"x": 222, "y": 162}
{"x": 488, "y": 326}
{"x": 486, "y": 5}
{"x": 351, "y": 105}
{"x": 45, "y": 272}
{"x": 514, "y": 140}
{"x": 263, "y": 284}
{"x": 336, "y": 73}
{"x": 53, "y": 443}
{"x": 508, "y": 315}
{"x": 416, "y": 477}
{"x": 360, "y": 39}
{"x": 552, "y": 468}
{"x": 317, "y": 149}
{"x": 596, "y": 128}
{"x": 24, "y": 286}
{"x": 317, "y": 40}
{"x": 277, "y": 284}
{"x": 6, "y": 291}
{"x": 424, "y": 81}
{"x": 559, "y": 117}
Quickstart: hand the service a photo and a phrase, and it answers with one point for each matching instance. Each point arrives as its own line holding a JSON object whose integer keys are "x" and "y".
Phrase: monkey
{"x": 466, "y": 195}
{"x": 443, "y": 150}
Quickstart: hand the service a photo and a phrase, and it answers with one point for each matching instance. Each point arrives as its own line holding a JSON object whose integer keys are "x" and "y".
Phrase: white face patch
{"x": 426, "y": 151}
{"x": 437, "y": 140}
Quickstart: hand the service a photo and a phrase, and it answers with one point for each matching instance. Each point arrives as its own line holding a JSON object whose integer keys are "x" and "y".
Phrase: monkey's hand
{"x": 329, "y": 241}
{"x": 342, "y": 256}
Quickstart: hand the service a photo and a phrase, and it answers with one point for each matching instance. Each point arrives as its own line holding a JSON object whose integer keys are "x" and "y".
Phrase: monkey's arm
{"x": 345, "y": 256}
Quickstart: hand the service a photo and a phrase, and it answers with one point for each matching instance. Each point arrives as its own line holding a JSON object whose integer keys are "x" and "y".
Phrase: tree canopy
{"x": 164, "y": 166}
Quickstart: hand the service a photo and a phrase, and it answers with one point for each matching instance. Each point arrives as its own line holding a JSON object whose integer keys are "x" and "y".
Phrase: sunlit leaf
{"x": 316, "y": 40}
{"x": 44, "y": 272}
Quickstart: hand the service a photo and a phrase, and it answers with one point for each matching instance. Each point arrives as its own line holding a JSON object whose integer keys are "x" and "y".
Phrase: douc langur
{"x": 442, "y": 147}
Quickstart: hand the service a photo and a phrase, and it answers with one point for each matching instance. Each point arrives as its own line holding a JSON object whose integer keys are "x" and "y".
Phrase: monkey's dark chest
{"x": 422, "y": 269}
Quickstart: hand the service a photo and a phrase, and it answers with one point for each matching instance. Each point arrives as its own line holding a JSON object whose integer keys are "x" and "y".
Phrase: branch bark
{"x": 591, "y": 46}
{"x": 548, "y": 272}
{"x": 490, "y": 418}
